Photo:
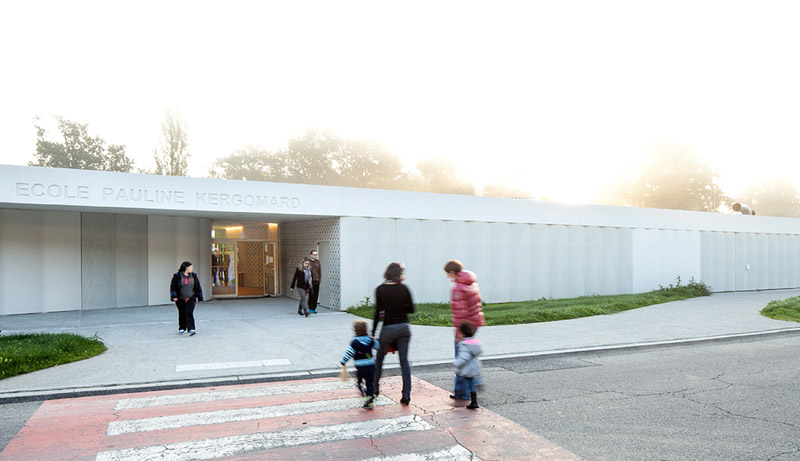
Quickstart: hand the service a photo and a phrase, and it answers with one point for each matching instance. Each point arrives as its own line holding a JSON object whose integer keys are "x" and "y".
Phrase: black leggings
{"x": 186, "y": 313}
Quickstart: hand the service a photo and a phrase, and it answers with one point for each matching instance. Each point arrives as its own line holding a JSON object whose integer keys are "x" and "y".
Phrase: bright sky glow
{"x": 558, "y": 94}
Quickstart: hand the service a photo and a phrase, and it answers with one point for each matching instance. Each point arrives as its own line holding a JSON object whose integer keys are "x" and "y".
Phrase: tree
{"x": 672, "y": 178}
{"x": 78, "y": 150}
{"x": 442, "y": 175}
{"x": 171, "y": 159}
{"x": 776, "y": 197}
{"x": 363, "y": 163}
{"x": 316, "y": 157}
{"x": 251, "y": 163}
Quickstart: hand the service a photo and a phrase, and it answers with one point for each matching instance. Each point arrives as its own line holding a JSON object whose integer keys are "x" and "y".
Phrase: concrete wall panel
{"x": 609, "y": 261}
{"x": 501, "y": 265}
{"x": 774, "y": 262}
{"x": 355, "y": 247}
{"x": 433, "y": 281}
{"x": 521, "y": 262}
{"x": 593, "y": 261}
{"x": 131, "y": 261}
{"x": 407, "y": 251}
{"x": 36, "y": 245}
{"x": 540, "y": 261}
{"x": 98, "y": 260}
{"x": 559, "y": 262}
{"x": 783, "y": 261}
{"x": 576, "y": 261}
{"x": 625, "y": 259}
{"x": 480, "y": 258}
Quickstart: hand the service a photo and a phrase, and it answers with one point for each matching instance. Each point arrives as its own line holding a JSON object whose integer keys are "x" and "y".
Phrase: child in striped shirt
{"x": 360, "y": 350}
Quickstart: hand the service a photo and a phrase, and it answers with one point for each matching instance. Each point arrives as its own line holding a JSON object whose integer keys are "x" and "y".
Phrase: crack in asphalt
{"x": 785, "y": 453}
{"x": 453, "y": 436}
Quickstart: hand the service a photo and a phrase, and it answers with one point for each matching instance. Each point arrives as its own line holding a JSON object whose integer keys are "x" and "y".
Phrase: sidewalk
{"x": 245, "y": 340}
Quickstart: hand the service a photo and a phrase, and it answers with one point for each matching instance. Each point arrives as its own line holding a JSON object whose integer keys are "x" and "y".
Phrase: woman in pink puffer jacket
{"x": 465, "y": 304}
{"x": 465, "y": 299}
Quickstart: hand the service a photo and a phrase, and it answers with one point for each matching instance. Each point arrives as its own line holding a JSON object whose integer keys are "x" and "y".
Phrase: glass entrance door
{"x": 223, "y": 269}
{"x": 270, "y": 270}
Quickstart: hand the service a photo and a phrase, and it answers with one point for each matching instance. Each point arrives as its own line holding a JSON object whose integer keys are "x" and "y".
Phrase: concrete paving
{"x": 261, "y": 339}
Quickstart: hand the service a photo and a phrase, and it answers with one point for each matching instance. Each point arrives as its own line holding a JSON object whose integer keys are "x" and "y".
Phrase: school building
{"x": 73, "y": 240}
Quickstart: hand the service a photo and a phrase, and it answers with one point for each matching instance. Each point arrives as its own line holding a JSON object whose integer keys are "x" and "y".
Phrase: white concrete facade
{"x": 73, "y": 239}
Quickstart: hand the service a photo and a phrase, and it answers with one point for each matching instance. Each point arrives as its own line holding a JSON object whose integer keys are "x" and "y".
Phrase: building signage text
{"x": 154, "y": 196}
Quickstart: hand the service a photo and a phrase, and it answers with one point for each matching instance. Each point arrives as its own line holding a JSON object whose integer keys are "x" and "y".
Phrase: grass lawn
{"x": 787, "y": 309}
{"x": 30, "y": 352}
{"x": 547, "y": 310}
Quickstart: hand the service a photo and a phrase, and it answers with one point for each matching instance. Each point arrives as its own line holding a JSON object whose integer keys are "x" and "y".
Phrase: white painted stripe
{"x": 454, "y": 453}
{"x": 159, "y": 423}
{"x": 231, "y": 446}
{"x": 245, "y": 393}
{"x": 226, "y": 365}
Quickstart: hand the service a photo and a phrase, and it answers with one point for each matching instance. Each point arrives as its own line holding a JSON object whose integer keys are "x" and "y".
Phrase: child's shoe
{"x": 369, "y": 403}
{"x": 473, "y": 403}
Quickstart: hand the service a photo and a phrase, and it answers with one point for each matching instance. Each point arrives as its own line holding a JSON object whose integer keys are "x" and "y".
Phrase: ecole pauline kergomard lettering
{"x": 106, "y": 239}
{"x": 120, "y": 194}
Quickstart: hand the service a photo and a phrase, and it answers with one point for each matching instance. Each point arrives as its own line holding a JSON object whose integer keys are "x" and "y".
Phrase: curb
{"x": 64, "y": 393}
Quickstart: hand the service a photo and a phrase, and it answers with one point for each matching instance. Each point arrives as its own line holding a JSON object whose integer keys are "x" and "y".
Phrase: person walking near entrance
{"x": 393, "y": 301}
{"x": 316, "y": 277}
{"x": 302, "y": 280}
{"x": 185, "y": 291}
{"x": 465, "y": 305}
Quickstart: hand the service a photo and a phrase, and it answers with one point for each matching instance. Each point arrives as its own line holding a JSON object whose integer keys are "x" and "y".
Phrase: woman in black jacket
{"x": 185, "y": 291}
{"x": 393, "y": 304}
{"x": 302, "y": 280}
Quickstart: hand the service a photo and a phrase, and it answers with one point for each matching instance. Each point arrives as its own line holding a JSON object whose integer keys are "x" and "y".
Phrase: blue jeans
{"x": 368, "y": 375}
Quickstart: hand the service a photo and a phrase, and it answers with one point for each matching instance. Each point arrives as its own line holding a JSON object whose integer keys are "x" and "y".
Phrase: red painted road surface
{"x": 305, "y": 419}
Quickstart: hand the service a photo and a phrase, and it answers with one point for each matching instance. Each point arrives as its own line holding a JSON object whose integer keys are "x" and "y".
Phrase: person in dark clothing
{"x": 302, "y": 280}
{"x": 316, "y": 278}
{"x": 393, "y": 301}
{"x": 184, "y": 290}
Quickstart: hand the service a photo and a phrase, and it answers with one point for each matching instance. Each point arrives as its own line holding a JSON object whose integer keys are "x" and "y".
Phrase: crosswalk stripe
{"x": 454, "y": 453}
{"x": 227, "y": 365}
{"x": 244, "y": 414}
{"x": 230, "y": 446}
{"x": 246, "y": 393}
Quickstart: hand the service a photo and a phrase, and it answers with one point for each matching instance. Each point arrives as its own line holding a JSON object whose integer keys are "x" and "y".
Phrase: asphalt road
{"x": 712, "y": 402}
{"x": 725, "y": 401}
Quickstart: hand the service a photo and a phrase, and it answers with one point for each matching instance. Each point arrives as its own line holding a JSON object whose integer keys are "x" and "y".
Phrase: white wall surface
{"x": 40, "y": 261}
{"x": 170, "y": 241}
{"x": 513, "y": 261}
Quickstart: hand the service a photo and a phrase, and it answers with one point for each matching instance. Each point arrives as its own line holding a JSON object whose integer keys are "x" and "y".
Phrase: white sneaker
{"x": 192, "y": 332}
{"x": 180, "y": 332}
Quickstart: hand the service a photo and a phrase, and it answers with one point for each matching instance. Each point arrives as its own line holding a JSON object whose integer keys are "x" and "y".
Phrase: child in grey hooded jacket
{"x": 467, "y": 365}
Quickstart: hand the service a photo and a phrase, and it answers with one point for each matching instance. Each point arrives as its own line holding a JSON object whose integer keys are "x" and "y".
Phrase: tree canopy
{"x": 78, "y": 150}
{"x": 776, "y": 197}
{"x": 316, "y": 157}
{"x": 672, "y": 178}
{"x": 323, "y": 158}
{"x": 172, "y": 156}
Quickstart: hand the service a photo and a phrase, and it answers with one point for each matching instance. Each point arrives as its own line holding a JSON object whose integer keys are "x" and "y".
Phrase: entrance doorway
{"x": 223, "y": 269}
{"x": 245, "y": 259}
